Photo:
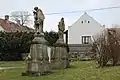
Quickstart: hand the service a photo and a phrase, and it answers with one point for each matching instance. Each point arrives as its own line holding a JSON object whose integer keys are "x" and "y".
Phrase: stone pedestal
{"x": 39, "y": 62}
{"x": 60, "y": 59}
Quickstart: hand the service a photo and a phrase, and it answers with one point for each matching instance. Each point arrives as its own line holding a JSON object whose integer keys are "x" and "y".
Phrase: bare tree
{"x": 115, "y": 26}
{"x": 107, "y": 47}
{"x": 21, "y": 17}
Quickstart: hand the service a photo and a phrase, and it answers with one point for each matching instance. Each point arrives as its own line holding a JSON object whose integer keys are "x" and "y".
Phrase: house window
{"x": 86, "y": 39}
{"x": 81, "y": 21}
{"x": 88, "y": 21}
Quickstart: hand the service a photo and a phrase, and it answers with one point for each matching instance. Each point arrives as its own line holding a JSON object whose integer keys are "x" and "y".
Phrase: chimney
{"x": 7, "y": 17}
{"x": 104, "y": 26}
{"x": 85, "y": 12}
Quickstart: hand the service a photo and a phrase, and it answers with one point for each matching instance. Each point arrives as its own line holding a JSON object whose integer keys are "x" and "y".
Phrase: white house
{"x": 83, "y": 29}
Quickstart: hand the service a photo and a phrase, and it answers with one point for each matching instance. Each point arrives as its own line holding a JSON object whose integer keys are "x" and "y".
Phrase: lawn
{"x": 83, "y": 70}
{"x": 12, "y": 63}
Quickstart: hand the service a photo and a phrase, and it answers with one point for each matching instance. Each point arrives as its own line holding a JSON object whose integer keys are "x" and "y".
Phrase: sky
{"x": 104, "y": 17}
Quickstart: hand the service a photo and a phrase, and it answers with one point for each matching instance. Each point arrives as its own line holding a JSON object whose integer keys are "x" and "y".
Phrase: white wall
{"x": 78, "y": 29}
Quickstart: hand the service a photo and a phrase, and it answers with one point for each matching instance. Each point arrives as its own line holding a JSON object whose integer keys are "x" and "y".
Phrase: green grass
{"x": 84, "y": 70}
{"x": 12, "y": 63}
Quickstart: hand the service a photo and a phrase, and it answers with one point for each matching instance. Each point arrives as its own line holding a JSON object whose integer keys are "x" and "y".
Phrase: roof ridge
{"x": 85, "y": 13}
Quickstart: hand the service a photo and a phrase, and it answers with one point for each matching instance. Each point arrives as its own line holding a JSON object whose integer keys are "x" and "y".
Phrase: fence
{"x": 80, "y": 52}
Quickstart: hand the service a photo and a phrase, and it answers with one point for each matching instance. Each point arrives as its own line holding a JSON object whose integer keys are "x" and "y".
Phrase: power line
{"x": 77, "y": 11}
{"x": 85, "y": 10}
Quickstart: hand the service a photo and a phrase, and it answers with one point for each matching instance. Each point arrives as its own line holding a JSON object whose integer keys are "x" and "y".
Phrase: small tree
{"x": 107, "y": 47}
{"x": 51, "y": 37}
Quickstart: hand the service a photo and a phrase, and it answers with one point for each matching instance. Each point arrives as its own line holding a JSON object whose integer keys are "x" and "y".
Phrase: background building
{"x": 83, "y": 29}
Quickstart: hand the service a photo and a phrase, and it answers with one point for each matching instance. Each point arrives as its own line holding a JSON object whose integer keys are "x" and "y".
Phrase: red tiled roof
{"x": 15, "y": 27}
{"x": 5, "y": 25}
{"x": 9, "y": 26}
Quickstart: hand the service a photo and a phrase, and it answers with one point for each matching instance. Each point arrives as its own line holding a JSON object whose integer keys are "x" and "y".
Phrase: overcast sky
{"x": 107, "y": 17}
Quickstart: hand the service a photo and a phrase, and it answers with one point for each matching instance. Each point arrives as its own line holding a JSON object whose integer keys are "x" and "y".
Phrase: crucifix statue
{"x": 39, "y": 19}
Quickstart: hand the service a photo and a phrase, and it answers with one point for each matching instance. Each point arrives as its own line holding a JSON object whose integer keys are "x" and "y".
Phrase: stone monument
{"x": 38, "y": 64}
{"x": 61, "y": 56}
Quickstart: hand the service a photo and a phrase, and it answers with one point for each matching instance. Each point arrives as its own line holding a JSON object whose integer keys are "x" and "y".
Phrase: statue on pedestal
{"x": 61, "y": 28}
{"x": 39, "y": 19}
{"x": 60, "y": 58}
{"x": 38, "y": 63}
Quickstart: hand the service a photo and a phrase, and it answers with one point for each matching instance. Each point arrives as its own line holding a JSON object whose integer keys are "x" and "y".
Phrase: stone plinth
{"x": 39, "y": 62}
{"x": 60, "y": 59}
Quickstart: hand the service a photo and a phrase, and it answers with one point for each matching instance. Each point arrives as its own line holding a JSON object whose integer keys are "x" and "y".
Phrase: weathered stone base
{"x": 32, "y": 74}
{"x": 27, "y": 73}
{"x": 38, "y": 64}
{"x": 61, "y": 64}
{"x": 37, "y": 69}
{"x": 60, "y": 59}
{"x": 35, "y": 66}
{"x": 47, "y": 67}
